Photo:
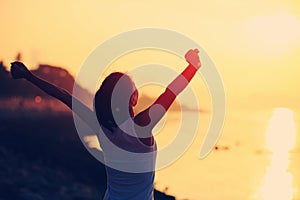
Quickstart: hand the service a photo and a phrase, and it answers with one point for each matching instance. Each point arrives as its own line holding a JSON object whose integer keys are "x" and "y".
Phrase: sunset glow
{"x": 273, "y": 34}
{"x": 245, "y": 39}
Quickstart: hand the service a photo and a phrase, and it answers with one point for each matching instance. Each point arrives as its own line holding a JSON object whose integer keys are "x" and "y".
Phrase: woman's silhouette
{"x": 113, "y": 105}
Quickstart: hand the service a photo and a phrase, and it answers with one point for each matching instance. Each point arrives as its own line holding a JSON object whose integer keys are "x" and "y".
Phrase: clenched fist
{"x": 192, "y": 58}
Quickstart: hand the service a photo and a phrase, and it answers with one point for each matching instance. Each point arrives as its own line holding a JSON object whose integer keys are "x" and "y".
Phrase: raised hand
{"x": 19, "y": 70}
{"x": 192, "y": 58}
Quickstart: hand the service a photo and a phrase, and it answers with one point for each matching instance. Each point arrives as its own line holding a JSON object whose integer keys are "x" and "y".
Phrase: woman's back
{"x": 130, "y": 164}
{"x": 126, "y": 185}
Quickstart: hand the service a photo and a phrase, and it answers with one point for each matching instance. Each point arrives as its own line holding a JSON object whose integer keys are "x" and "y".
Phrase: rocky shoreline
{"x": 43, "y": 158}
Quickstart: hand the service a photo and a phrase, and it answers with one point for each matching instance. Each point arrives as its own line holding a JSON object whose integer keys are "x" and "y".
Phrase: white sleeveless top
{"x": 130, "y": 164}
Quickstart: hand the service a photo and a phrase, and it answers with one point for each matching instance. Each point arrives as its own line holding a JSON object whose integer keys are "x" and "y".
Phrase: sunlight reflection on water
{"x": 280, "y": 140}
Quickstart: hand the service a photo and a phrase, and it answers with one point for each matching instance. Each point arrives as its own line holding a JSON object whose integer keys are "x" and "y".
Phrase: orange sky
{"x": 255, "y": 44}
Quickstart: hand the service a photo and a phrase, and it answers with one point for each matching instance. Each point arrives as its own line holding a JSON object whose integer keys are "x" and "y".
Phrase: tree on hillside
{"x": 18, "y": 57}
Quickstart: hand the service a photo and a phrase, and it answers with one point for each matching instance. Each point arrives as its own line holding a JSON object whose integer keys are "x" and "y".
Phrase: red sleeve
{"x": 153, "y": 114}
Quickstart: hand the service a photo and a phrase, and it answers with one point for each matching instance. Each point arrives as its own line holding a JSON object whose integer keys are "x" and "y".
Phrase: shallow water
{"x": 257, "y": 157}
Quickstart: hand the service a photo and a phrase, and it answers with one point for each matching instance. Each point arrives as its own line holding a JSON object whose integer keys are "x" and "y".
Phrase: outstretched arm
{"x": 19, "y": 70}
{"x": 148, "y": 118}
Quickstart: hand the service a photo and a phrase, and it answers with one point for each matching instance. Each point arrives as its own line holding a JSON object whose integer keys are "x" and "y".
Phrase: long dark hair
{"x": 112, "y": 100}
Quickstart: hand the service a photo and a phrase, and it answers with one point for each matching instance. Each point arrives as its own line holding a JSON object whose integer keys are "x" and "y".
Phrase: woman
{"x": 121, "y": 128}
